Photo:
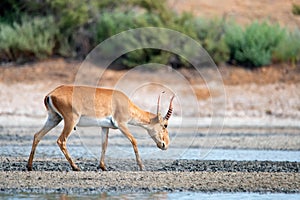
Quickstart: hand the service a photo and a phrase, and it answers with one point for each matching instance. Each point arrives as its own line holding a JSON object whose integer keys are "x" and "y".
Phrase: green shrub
{"x": 154, "y": 7}
{"x": 212, "y": 38}
{"x": 70, "y": 14}
{"x": 288, "y": 48}
{"x": 253, "y": 46}
{"x": 184, "y": 23}
{"x": 27, "y": 40}
{"x": 11, "y": 11}
{"x": 146, "y": 55}
{"x": 211, "y": 34}
{"x": 296, "y": 9}
{"x": 111, "y": 23}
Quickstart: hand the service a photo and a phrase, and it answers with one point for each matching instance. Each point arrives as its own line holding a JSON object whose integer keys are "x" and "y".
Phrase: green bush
{"x": 211, "y": 34}
{"x": 111, "y": 23}
{"x": 102, "y": 19}
{"x": 184, "y": 23}
{"x": 288, "y": 48}
{"x": 253, "y": 46}
{"x": 111, "y": 14}
{"x": 70, "y": 15}
{"x": 32, "y": 38}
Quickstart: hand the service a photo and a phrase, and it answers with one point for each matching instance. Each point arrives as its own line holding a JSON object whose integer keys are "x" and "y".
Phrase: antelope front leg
{"x": 126, "y": 132}
{"x": 137, "y": 156}
{"x": 104, "y": 133}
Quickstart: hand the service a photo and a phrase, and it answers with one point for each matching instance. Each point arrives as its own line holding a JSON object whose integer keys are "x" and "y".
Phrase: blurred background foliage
{"x": 38, "y": 29}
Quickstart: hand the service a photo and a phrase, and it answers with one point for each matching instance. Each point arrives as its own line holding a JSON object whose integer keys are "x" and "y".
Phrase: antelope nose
{"x": 164, "y": 146}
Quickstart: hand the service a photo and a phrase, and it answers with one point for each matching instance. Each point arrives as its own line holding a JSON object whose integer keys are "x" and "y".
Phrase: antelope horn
{"x": 158, "y": 101}
{"x": 169, "y": 113}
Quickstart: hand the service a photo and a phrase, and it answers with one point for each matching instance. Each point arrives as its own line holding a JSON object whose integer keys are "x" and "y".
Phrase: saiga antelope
{"x": 107, "y": 108}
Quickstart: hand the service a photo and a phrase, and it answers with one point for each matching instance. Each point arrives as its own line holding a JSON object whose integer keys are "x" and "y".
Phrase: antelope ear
{"x": 160, "y": 118}
{"x": 157, "y": 119}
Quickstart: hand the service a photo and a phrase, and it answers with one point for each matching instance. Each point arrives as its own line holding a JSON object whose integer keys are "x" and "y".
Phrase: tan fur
{"x": 107, "y": 108}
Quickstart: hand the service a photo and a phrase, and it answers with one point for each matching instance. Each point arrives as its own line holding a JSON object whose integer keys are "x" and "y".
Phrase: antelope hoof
{"x": 142, "y": 168}
{"x": 29, "y": 168}
{"x": 103, "y": 168}
{"x": 77, "y": 169}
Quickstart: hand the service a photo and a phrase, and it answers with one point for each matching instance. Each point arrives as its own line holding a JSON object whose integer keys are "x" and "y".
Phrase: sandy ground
{"x": 244, "y": 12}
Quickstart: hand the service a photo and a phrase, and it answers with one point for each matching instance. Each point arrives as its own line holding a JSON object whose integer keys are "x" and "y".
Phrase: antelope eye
{"x": 165, "y": 126}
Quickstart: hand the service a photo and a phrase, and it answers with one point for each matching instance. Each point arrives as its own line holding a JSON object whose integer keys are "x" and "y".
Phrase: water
{"x": 154, "y": 153}
{"x": 209, "y": 154}
{"x": 158, "y": 195}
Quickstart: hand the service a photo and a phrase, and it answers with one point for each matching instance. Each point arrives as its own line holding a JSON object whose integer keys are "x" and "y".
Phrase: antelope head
{"x": 158, "y": 127}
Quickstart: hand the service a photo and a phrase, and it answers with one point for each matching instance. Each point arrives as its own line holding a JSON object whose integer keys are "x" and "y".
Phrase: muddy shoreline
{"x": 94, "y": 182}
{"x": 55, "y": 176}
